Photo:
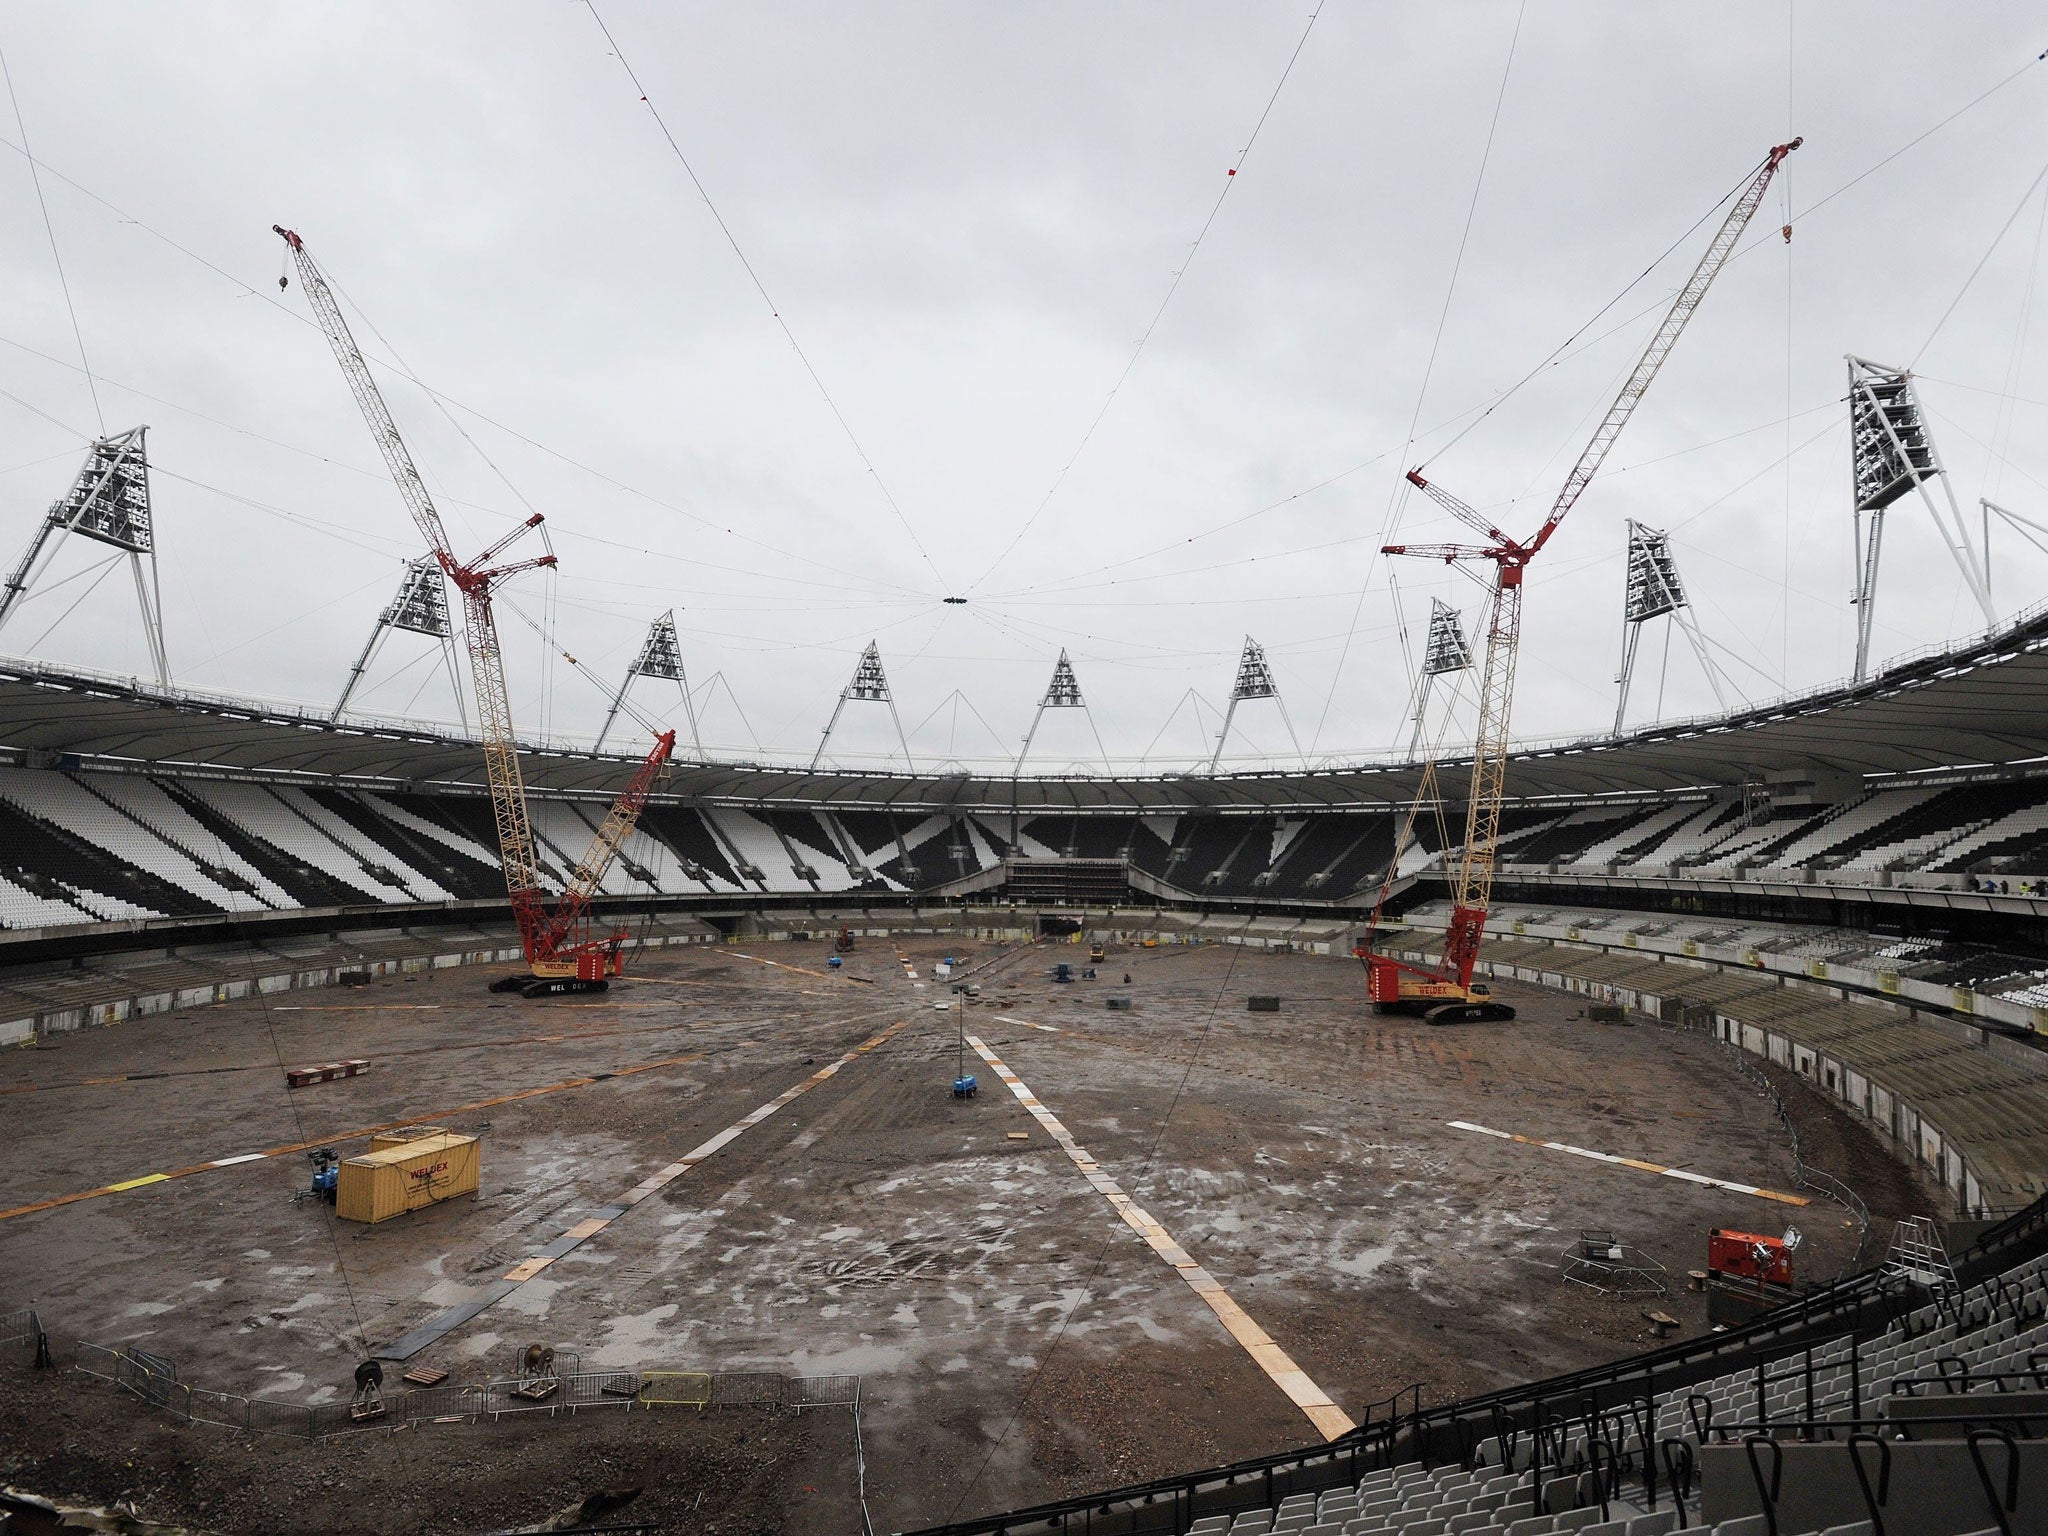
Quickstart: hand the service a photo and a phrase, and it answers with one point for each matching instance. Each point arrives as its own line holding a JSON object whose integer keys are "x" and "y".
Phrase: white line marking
{"x": 1634, "y": 1162}
{"x": 1329, "y": 1420}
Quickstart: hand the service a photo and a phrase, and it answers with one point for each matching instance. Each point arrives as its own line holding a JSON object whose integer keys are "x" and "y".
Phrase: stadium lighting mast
{"x": 562, "y": 951}
{"x": 109, "y": 503}
{"x": 420, "y": 608}
{"x": 1445, "y": 651}
{"x": 660, "y": 655}
{"x": 1655, "y": 591}
{"x": 868, "y": 685}
{"x": 1254, "y": 681}
{"x": 1891, "y": 452}
{"x": 1446, "y": 995}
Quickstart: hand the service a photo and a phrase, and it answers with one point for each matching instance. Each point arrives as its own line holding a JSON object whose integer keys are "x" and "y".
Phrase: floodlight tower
{"x": 107, "y": 502}
{"x": 870, "y": 685}
{"x": 1063, "y": 692}
{"x": 1447, "y": 651}
{"x": 1891, "y": 452}
{"x": 1254, "y": 681}
{"x": 1654, "y": 592}
{"x": 661, "y": 655}
{"x": 420, "y": 608}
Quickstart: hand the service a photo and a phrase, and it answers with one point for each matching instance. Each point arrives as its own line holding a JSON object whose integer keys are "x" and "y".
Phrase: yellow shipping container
{"x": 384, "y": 1140}
{"x": 395, "y": 1179}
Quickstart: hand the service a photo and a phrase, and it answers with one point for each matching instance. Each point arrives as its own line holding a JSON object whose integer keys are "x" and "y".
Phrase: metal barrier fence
{"x": 154, "y": 1379}
{"x": 1700, "y": 1020}
{"x": 21, "y": 1333}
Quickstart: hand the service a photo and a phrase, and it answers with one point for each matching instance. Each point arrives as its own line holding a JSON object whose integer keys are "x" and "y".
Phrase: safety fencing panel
{"x": 676, "y": 1389}
{"x": 824, "y": 1392}
{"x": 747, "y": 1389}
{"x": 21, "y": 1333}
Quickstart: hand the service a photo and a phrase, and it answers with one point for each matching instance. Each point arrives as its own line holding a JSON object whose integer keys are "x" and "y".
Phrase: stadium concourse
{"x": 1249, "y": 1231}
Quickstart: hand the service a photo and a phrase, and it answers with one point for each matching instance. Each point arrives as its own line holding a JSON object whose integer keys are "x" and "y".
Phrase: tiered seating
{"x": 374, "y": 858}
{"x": 1919, "y": 837}
{"x": 1707, "y": 825}
{"x": 1567, "y": 841}
{"x": 305, "y": 883}
{"x": 685, "y": 834}
{"x": 21, "y": 908}
{"x": 1638, "y": 832}
{"x": 75, "y": 808}
{"x": 466, "y": 868}
{"x": 1850, "y": 826}
{"x": 150, "y": 804}
{"x": 566, "y": 836}
{"x": 46, "y": 861}
{"x": 259, "y": 813}
{"x": 2005, "y": 842}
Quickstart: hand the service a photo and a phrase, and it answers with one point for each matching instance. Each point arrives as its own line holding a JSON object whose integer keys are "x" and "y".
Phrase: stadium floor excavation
{"x": 1017, "y": 1334}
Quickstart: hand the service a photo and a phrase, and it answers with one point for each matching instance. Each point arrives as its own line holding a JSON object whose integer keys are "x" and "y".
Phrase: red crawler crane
{"x": 562, "y": 951}
{"x": 1447, "y": 995}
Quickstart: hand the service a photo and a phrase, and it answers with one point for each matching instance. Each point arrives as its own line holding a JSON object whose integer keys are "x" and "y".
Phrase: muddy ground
{"x": 1016, "y": 1341}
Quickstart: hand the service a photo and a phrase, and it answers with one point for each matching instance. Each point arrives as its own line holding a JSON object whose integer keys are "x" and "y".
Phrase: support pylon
{"x": 661, "y": 655}
{"x": 1063, "y": 692}
{"x": 108, "y": 502}
{"x": 1254, "y": 681}
{"x": 420, "y": 608}
{"x": 1654, "y": 591}
{"x": 1891, "y": 453}
{"x": 870, "y": 685}
{"x": 1447, "y": 651}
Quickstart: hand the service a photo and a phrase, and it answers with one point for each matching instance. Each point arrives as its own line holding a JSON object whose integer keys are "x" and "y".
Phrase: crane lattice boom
{"x": 1472, "y": 885}
{"x": 545, "y": 937}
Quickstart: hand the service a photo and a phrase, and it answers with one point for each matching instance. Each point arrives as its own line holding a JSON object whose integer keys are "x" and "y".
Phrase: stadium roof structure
{"x": 1981, "y": 702}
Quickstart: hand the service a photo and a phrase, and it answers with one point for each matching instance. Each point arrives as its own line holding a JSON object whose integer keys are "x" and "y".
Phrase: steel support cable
{"x": 554, "y": 647}
{"x": 36, "y": 410}
{"x": 761, "y": 288}
{"x": 2002, "y": 421}
{"x": 2004, "y": 463}
{"x": 1076, "y": 585}
{"x": 56, "y": 256}
{"x": 1811, "y": 209}
{"x": 384, "y": 477}
{"x": 1398, "y": 498}
{"x": 1173, "y": 287}
{"x": 1996, "y": 240}
{"x": 470, "y": 410}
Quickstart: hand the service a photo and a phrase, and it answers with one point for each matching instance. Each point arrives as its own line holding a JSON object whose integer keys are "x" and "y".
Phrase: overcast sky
{"x": 967, "y": 216}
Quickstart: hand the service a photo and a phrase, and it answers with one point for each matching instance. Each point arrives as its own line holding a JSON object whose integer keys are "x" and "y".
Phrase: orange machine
{"x": 1749, "y": 1256}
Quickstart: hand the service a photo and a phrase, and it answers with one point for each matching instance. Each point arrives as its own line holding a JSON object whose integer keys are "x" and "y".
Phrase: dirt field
{"x": 1015, "y": 1338}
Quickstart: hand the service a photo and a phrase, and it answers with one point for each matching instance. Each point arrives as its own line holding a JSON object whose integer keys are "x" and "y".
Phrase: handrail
{"x": 1865, "y": 1298}
{"x": 2016, "y": 632}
